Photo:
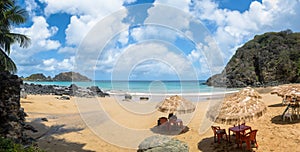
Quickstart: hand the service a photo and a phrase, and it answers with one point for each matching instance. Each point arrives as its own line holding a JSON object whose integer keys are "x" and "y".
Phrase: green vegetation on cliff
{"x": 70, "y": 76}
{"x": 37, "y": 77}
{"x": 269, "y": 59}
{"x": 64, "y": 76}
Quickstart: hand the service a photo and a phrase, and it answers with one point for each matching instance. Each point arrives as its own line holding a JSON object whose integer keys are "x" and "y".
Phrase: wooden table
{"x": 238, "y": 129}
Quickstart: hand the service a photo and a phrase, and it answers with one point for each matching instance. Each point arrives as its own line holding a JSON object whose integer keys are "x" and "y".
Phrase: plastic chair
{"x": 219, "y": 133}
{"x": 288, "y": 114}
{"x": 249, "y": 138}
{"x": 296, "y": 107}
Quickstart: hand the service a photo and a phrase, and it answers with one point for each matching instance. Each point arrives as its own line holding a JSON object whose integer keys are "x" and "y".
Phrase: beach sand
{"x": 108, "y": 124}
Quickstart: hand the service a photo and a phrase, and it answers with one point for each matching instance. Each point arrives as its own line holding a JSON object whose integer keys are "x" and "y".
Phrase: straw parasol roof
{"x": 176, "y": 104}
{"x": 242, "y": 106}
{"x": 291, "y": 89}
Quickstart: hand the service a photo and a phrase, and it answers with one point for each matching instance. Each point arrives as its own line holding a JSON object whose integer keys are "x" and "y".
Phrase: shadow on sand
{"x": 277, "y": 105}
{"x": 46, "y": 140}
{"x": 208, "y": 145}
{"x": 278, "y": 120}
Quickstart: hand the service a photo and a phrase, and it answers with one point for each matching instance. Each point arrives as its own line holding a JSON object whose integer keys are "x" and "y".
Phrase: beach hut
{"x": 237, "y": 108}
{"x": 176, "y": 104}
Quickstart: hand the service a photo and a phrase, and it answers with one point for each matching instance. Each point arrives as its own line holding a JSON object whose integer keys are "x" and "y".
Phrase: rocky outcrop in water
{"x": 269, "y": 59}
{"x": 64, "y": 76}
{"x": 37, "y": 77}
{"x": 70, "y": 76}
{"x": 72, "y": 90}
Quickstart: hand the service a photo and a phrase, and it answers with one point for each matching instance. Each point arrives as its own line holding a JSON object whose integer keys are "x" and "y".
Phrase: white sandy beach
{"x": 107, "y": 124}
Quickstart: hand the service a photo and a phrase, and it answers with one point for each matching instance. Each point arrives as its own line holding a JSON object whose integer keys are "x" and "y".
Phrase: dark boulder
{"x": 72, "y": 90}
{"x": 97, "y": 91}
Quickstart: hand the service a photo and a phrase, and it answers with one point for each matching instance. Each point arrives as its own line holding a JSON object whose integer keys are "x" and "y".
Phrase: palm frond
{"x": 6, "y": 63}
{"x": 10, "y": 14}
{"x": 7, "y": 39}
{"x": 16, "y": 15}
{"x": 23, "y": 40}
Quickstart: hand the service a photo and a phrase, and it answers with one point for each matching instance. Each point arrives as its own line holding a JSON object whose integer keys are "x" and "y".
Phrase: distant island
{"x": 64, "y": 76}
{"x": 269, "y": 59}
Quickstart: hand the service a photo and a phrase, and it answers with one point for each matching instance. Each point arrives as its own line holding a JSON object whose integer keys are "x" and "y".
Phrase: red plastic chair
{"x": 219, "y": 133}
{"x": 249, "y": 138}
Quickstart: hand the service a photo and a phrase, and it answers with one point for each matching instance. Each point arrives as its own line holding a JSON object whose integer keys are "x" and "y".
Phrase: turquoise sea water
{"x": 153, "y": 87}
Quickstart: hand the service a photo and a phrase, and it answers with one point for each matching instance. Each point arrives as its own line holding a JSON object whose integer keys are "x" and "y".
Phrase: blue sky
{"x": 144, "y": 40}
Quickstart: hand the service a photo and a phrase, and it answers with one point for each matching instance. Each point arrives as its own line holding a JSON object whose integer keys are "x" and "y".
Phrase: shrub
{"x": 7, "y": 145}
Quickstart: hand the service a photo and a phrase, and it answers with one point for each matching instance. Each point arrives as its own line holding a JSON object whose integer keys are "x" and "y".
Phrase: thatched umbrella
{"x": 287, "y": 92}
{"x": 176, "y": 104}
{"x": 296, "y": 94}
{"x": 242, "y": 106}
{"x": 286, "y": 89}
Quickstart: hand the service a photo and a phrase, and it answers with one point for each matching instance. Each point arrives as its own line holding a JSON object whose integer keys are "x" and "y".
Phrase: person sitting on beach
{"x": 172, "y": 116}
{"x": 174, "y": 121}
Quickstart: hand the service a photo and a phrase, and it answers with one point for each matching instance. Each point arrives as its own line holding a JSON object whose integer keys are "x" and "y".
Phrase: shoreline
{"x": 203, "y": 93}
{"x": 171, "y": 94}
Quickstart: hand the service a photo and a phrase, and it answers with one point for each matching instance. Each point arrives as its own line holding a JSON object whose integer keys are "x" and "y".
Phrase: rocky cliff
{"x": 37, "y": 77}
{"x": 268, "y": 59}
{"x": 64, "y": 76}
{"x": 70, "y": 76}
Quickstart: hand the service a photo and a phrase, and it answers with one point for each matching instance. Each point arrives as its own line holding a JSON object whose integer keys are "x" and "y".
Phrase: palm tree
{"x": 10, "y": 14}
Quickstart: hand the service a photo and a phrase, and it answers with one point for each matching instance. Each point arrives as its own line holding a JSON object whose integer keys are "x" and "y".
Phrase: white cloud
{"x": 85, "y": 14}
{"x": 79, "y": 7}
{"x": 123, "y": 37}
{"x": 208, "y": 10}
{"x": 172, "y": 18}
{"x": 69, "y": 50}
{"x": 208, "y": 57}
{"x": 151, "y": 58}
{"x": 78, "y": 28}
{"x": 101, "y": 36}
{"x": 230, "y": 30}
{"x": 40, "y": 34}
{"x": 108, "y": 59}
{"x": 154, "y": 32}
{"x": 49, "y": 62}
{"x": 31, "y": 5}
{"x": 194, "y": 55}
{"x": 55, "y": 65}
{"x": 129, "y": 1}
{"x": 50, "y": 66}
